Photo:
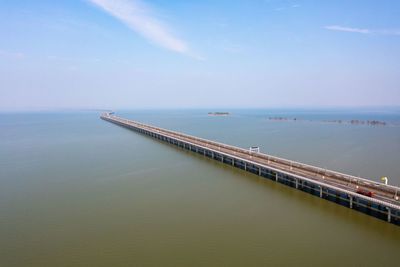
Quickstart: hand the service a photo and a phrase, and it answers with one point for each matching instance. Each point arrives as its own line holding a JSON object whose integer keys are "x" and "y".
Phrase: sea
{"x": 79, "y": 191}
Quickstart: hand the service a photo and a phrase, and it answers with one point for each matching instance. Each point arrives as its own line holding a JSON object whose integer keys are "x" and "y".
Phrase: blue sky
{"x": 180, "y": 54}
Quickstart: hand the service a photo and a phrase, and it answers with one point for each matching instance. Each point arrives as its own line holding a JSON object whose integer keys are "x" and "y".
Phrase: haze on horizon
{"x": 180, "y": 54}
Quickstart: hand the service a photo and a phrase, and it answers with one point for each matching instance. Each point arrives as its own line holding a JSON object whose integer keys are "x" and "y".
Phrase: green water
{"x": 78, "y": 191}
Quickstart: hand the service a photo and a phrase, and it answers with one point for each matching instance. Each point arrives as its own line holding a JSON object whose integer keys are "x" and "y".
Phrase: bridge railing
{"x": 294, "y": 164}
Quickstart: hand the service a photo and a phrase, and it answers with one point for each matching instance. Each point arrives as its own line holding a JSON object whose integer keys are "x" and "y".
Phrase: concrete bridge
{"x": 373, "y": 198}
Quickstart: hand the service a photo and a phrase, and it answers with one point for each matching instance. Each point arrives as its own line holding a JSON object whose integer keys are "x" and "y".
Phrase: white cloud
{"x": 136, "y": 15}
{"x": 347, "y": 29}
{"x": 285, "y": 7}
{"x": 363, "y": 31}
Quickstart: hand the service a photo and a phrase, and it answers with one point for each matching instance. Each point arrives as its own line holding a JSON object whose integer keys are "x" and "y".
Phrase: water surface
{"x": 78, "y": 191}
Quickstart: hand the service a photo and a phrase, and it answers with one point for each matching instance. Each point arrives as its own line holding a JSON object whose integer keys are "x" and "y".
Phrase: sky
{"x": 132, "y": 54}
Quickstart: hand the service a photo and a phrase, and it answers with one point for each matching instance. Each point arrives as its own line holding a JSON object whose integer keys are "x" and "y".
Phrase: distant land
{"x": 218, "y": 113}
{"x": 353, "y": 122}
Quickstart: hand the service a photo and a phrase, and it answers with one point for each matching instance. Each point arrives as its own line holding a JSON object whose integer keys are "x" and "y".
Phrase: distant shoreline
{"x": 352, "y": 122}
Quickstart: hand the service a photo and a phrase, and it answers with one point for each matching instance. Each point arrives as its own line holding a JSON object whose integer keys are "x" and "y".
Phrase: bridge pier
{"x": 351, "y": 202}
{"x": 301, "y": 176}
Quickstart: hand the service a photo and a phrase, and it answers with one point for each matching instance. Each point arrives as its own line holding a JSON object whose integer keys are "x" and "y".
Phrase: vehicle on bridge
{"x": 365, "y": 192}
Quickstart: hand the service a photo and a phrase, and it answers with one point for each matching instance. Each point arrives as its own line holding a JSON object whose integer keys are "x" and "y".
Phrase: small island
{"x": 218, "y": 113}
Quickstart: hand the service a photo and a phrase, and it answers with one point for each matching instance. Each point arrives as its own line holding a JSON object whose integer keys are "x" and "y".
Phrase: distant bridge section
{"x": 373, "y": 198}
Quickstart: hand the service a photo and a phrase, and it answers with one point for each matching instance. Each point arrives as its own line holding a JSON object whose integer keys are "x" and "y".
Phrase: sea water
{"x": 79, "y": 191}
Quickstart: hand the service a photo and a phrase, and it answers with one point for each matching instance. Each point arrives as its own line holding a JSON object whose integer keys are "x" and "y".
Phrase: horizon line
{"x": 212, "y": 108}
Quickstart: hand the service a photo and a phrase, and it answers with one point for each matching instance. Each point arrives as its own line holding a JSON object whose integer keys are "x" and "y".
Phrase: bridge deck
{"x": 385, "y": 195}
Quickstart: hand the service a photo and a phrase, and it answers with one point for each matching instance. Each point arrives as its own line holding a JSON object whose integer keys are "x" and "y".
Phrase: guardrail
{"x": 325, "y": 172}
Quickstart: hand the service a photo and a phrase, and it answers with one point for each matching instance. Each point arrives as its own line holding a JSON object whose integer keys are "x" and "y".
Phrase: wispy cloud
{"x": 362, "y": 30}
{"x": 281, "y": 8}
{"x": 347, "y": 29}
{"x": 140, "y": 18}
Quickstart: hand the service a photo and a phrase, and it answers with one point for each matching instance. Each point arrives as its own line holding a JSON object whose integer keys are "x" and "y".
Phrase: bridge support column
{"x": 351, "y": 202}
{"x": 245, "y": 166}
{"x": 233, "y": 162}
{"x": 320, "y": 191}
{"x": 222, "y": 158}
{"x": 297, "y": 183}
{"x": 389, "y": 215}
{"x": 276, "y": 177}
{"x": 259, "y": 171}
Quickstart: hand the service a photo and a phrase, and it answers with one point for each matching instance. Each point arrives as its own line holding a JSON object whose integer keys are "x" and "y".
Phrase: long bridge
{"x": 373, "y": 198}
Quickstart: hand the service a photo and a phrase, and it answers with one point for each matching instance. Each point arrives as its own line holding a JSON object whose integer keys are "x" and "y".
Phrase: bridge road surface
{"x": 383, "y": 194}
